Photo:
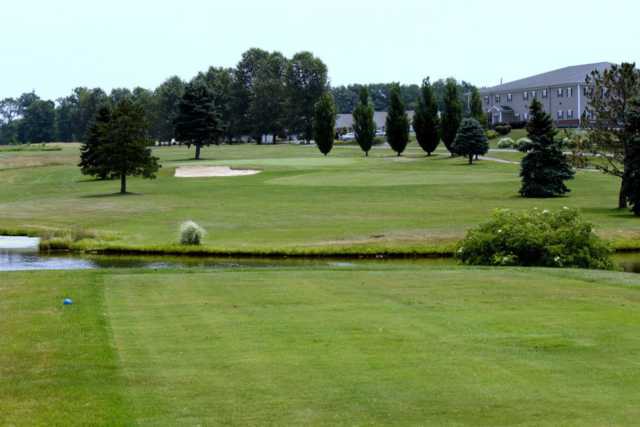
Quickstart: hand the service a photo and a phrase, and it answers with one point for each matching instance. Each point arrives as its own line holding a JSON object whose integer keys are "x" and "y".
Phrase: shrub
{"x": 502, "y": 128}
{"x": 519, "y": 124}
{"x": 522, "y": 142}
{"x": 491, "y": 134}
{"x": 506, "y": 143}
{"x": 535, "y": 238}
{"x": 191, "y": 233}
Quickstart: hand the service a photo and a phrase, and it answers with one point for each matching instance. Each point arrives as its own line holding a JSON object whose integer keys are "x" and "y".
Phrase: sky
{"x": 53, "y": 46}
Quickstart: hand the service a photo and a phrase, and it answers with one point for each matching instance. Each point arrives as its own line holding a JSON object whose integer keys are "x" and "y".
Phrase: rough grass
{"x": 301, "y": 203}
{"x": 368, "y": 345}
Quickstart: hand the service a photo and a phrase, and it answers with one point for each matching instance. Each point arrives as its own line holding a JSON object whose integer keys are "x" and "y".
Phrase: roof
{"x": 379, "y": 117}
{"x": 568, "y": 75}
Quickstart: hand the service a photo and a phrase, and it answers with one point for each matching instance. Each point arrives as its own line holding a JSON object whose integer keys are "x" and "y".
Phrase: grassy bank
{"x": 373, "y": 344}
{"x": 301, "y": 203}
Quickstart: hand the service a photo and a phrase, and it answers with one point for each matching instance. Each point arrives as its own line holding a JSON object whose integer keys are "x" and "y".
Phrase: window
{"x": 560, "y": 92}
{"x": 509, "y": 97}
{"x": 497, "y": 99}
{"x": 533, "y": 94}
{"x": 525, "y": 95}
{"x": 569, "y": 92}
{"x": 560, "y": 114}
{"x": 525, "y": 116}
{"x": 545, "y": 93}
{"x": 569, "y": 114}
{"x": 486, "y": 100}
{"x": 587, "y": 90}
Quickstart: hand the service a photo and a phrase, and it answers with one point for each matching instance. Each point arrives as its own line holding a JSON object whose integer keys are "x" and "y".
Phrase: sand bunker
{"x": 212, "y": 171}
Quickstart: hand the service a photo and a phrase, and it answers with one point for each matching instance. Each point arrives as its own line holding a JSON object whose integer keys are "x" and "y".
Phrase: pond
{"x": 21, "y": 254}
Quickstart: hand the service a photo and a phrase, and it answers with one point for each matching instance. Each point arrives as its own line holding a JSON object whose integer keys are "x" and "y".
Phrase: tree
{"x": 364, "y": 127}
{"x": 220, "y": 82}
{"x": 242, "y": 89}
{"x": 305, "y": 81}
{"x": 545, "y": 167}
{"x": 168, "y": 96}
{"x": 425, "y": 121}
{"x": 607, "y": 118}
{"x": 39, "y": 122}
{"x": 9, "y": 115}
{"x": 471, "y": 140}
{"x": 397, "y": 124}
{"x": 476, "y": 109}
{"x": 452, "y": 114}
{"x": 122, "y": 147}
{"x": 93, "y": 155}
{"x": 198, "y": 122}
{"x": 324, "y": 122}
{"x": 633, "y": 126}
{"x": 268, "y": 97}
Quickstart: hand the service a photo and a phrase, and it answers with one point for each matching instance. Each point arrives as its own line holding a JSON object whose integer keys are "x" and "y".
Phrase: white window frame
{"x": 569, "y": 92}
{"x": 560, "y": 114}
{"x": 525, "y": 95}
{"x": 545, "y": 93}
{"x": 560, "y": 92}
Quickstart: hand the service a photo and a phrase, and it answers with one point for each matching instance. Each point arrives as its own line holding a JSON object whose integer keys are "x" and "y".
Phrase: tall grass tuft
{"x": 191, "y": 233}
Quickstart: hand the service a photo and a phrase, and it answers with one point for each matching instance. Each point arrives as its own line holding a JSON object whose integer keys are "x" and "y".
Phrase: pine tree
{"x": 452, "y": 114}
{"x": 92, "y": 155}
{"x": 633, "y": 174}
{"x": 324, "y": 122}
{"x": 364, "y": 127}
{"x": 397, "y": 121}
{"x": 198, "y": 122}
{"x": 476, "y": 108}
{"x": 544, "y": 168}
{"x": 471, "y": 140}
{"x": 425, "y": 121}
{"x": 121, "y": 144}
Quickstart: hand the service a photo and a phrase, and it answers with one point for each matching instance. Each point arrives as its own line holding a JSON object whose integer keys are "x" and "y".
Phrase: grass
{"x": 374, "y": 344}
{"x": 301, "y": 203}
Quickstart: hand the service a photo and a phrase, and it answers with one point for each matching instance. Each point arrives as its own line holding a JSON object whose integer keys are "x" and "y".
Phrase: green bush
{"x": 191, "y": 233}
{"x": 535, "y": 238}
{"x": 502, "y": 128}
{"x": 491, "y": 134}
{"x": 506, "y": 143}
{"x": 522, "y": 142}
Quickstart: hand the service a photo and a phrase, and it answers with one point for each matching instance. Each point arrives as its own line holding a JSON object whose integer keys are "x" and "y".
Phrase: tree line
{"x": 265, "y": 94}
{"x": 347, "y": 97}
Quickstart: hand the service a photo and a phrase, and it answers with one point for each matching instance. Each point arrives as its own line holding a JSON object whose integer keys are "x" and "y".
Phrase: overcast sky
{"x": 52, "y": 46}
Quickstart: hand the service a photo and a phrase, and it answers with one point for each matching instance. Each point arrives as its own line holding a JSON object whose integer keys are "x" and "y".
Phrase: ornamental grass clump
{"x": 191, "y": 233}
{"x": 535, "y": 238}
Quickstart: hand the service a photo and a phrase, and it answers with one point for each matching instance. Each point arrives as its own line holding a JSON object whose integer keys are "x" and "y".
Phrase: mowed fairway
{"x": 301, "y": 202}
{"x": 373, "y": 344}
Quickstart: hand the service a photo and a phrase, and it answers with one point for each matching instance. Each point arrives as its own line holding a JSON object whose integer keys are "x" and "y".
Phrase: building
{"x": 344, "y": 122}
{"x": 562, "y": 92}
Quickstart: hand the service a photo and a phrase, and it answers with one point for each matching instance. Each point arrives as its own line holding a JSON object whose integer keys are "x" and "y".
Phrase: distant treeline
{"x": 346, "y": 97}
{"x": 265, "y": 94}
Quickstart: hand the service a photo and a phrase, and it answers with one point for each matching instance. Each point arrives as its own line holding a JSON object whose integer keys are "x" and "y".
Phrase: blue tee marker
{"x": 67, "y": 301}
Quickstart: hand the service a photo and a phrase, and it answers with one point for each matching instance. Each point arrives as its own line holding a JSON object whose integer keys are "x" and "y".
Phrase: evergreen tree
{"x": 92, "y": 154}
{"x": 364, "y": 127}
{"x": 324, "y": 122}
{"x": 452, "y": 114}
{"x": 397, "y": 122}
{"x": 471, "y": 140}
{"x": 633, "y": 174}
{"x": 545, "y": 168}
{"x": 476, "y": 108}
{"x": 121, "y": 144}
{"x": 425, "y": 121}
{"x": 198, "y": 122}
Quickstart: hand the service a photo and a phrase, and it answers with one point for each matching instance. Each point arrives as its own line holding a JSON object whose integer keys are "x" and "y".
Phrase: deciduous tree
{"x": 364, "y": 126}
{"x": 425, "y": 121}
{"x": 397, "y": 125}
{"x": 452, "y": 114}
{"x": 324, "y": 123}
